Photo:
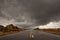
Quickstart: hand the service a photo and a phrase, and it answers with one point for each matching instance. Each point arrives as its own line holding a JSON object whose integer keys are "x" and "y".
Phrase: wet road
{"x": 31, "y": 35}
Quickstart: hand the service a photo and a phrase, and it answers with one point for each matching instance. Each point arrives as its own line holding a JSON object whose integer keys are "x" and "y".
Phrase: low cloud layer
{"x": 34, "y": 12}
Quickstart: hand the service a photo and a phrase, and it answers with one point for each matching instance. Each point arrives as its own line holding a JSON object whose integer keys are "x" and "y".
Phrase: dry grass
{"x": 7, "y": 33}
{"x": 53, "y": 31}
{"x": 9, "y": 29}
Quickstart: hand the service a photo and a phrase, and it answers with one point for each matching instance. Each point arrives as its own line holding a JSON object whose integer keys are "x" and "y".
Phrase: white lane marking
{"x": 32, "y": 36}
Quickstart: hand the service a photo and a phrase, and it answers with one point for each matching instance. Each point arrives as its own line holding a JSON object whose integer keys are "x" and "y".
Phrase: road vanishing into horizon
{"x": 31, "y": 35}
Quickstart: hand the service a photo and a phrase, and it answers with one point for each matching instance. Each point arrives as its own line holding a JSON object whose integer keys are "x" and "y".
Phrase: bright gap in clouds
{"x": 51, "y": 25}
{"x": 5, "y": 22}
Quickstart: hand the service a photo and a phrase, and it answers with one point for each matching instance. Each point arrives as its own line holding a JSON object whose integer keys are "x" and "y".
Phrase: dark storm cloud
{"x": 40, "y": 12}
{"x": 45, "y": 10}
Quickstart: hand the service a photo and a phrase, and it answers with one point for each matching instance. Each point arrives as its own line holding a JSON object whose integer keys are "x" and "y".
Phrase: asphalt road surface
{"x": 31, "y": 35}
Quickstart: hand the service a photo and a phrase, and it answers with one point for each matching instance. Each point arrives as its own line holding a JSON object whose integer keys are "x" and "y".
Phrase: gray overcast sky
{"x": 29, "y": 12}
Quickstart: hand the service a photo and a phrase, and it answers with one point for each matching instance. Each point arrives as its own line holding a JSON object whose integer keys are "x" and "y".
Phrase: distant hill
{"x": 9, "y": 28}
{"x": 53, "y": 30}
{"x": 1, "y": 27}
{"x": 37, "y": 29}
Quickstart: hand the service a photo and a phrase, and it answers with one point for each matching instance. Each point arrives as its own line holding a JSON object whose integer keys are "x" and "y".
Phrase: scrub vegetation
{"x": 9, "y": 29}
{"x": 50, "y": 30}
